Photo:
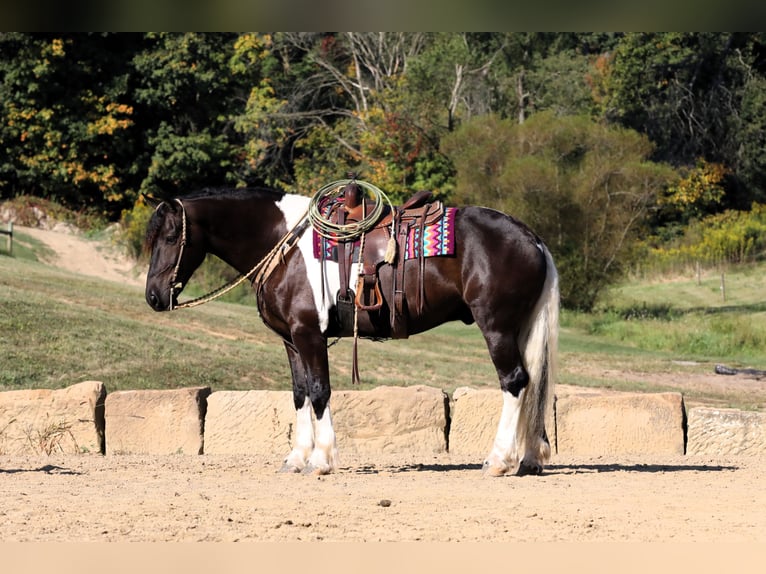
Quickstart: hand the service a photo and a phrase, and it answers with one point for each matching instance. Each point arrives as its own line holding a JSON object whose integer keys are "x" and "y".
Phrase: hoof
{"x": 311, "y": 470}
{"x": 289, "y": 469}
{"x": 493, "y": 471}
{"x": 529, "y": 468}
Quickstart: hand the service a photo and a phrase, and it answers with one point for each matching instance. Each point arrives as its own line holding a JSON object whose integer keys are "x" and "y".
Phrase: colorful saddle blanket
{"x": 436, "y": 240}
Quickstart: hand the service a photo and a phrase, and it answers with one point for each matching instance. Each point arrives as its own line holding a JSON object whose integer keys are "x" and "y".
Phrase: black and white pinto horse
{"x": 501, "y": 276}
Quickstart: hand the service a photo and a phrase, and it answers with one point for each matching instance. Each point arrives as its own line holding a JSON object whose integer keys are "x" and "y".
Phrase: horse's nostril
{"x": 153, "y": 300}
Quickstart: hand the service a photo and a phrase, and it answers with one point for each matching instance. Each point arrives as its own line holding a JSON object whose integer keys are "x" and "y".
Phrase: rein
{"x": 259, "y": 273}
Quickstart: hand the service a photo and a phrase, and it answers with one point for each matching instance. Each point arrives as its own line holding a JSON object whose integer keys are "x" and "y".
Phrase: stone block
{"x": 384, "y": 419}
{"x": 249, "y": 422}
{"x": 624, "y": 423}
{"x": 723, "y": 432}
{"x": 391, "y": 420}
{"x": 44, "y": 421}
{"x": 156, "y": 421}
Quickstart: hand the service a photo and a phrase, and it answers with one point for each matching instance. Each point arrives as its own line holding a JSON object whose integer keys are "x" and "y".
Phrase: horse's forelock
{"x": 153, "y": 228}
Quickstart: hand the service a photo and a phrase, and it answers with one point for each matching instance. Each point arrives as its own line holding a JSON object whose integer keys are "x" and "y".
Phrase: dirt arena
{"x": 226, "y": 499}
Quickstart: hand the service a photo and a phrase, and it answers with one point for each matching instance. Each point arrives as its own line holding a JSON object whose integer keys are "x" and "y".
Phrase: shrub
{"x": 726, "y": 238}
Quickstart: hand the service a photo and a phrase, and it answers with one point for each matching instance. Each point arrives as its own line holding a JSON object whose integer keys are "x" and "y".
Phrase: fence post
{"x": 8, "y": 232}
{"x": 723, "y": 286}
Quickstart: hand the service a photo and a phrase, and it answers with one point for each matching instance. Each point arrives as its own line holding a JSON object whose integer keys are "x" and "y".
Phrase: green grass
{"x": 58, "y": 328}
{"x": 691, "y": 318}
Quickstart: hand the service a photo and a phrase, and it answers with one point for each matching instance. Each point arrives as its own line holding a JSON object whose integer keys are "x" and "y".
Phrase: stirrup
{"x": 374, "y": 296}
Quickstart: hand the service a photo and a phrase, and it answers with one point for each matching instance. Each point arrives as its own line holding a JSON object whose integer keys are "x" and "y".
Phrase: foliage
{"x": 699, "y": 189}
{"x": 730, "y": 237}
{"x": 695, "y": 95}
{"x": 584, "y": 187}
{"x": 134, "y": 222}
{"x": 64, "y": 117}
{"x": 188, "y": 88}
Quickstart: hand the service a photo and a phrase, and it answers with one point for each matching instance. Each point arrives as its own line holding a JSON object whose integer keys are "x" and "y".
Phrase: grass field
{"x": 58, "y": 328}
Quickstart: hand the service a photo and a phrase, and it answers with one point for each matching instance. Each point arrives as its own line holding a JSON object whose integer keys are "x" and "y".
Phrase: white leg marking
{"x": 304, "y": 440}
{"x": 324, "y": 459}
{"x": 503, "y": 458}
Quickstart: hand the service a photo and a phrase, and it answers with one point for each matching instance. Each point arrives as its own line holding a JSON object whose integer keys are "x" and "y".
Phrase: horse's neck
{"x": 248, "y": 228}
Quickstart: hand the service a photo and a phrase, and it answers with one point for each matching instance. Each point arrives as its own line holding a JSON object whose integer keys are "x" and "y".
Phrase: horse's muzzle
{"x": 156, "y": 301}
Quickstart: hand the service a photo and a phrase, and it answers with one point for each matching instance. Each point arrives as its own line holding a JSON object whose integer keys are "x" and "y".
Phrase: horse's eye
{"x": 171, "y": 239}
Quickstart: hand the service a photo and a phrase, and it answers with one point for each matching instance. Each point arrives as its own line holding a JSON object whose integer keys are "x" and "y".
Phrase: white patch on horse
{"x": 503, "y": 457}
{"x": 294, "y": 207}
{"x": 325, "y": 456}
{"x": 304, "y": 438}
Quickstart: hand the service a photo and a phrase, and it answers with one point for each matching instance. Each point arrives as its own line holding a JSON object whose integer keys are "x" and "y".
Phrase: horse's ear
{"x": 152, "y": 202}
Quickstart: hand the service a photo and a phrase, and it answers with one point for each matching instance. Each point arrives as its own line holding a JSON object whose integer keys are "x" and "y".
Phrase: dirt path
{"x": 215, "y": 498}
{"x": 87, "y": 257}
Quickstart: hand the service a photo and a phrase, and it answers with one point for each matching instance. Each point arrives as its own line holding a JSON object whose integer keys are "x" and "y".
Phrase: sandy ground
{"x": 394, "y": 498}
{"x": 217, "y": 498}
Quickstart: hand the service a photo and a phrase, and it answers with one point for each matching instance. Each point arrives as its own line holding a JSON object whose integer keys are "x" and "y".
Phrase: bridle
{"x": 173, "y": 283}
{"x": 259, "y": 273}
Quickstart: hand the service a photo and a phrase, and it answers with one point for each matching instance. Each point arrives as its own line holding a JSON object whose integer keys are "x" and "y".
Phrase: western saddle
{"x": 384, "y": 243}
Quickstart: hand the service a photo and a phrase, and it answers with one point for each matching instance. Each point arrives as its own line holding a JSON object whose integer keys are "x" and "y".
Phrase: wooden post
{"x": 723, "y": 286}
{"x": 8, "y": 232}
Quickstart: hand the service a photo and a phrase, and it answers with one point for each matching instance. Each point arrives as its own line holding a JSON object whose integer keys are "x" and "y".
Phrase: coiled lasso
{"x": 351, "y": 230}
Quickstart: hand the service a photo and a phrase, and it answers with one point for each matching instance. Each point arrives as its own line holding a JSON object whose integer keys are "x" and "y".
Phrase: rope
{"x": 173, "y": 284}
{"x": 348, "y": 231}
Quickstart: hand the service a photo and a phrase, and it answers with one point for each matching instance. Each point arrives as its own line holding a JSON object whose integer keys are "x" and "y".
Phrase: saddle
{"x": 384, "y": 244}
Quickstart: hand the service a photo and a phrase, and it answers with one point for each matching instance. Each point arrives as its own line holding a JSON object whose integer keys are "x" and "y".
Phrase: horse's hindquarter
{"x": 501, "y": 260}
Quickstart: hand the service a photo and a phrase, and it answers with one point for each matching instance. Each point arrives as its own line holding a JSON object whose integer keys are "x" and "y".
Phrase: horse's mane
{"x": 237, "y": 193}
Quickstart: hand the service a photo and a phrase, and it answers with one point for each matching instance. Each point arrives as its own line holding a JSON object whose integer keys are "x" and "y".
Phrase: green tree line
{"x": 600, "y": 141}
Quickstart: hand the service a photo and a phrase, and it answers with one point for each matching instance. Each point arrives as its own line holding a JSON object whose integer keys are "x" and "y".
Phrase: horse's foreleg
{"x": 312, "y": 348}
{"x": 324, "y": 457}
{"x": 303, "y": 442}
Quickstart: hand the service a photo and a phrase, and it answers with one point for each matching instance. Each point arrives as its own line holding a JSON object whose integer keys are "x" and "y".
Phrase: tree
{"x": 348, "y": 109}
{"x": 186, "y": 96}
{"x": 585, "y": 187}
{"x": 695, "y": 95}
{"x": 750, "y": 163}
{"x": 65, "y": 112}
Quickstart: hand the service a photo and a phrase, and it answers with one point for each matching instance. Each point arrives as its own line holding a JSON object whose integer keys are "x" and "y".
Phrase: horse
{"x": 501, "y": 276}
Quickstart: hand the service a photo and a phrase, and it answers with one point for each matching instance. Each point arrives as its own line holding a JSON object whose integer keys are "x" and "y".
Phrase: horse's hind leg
{"x": 504, "y": 351}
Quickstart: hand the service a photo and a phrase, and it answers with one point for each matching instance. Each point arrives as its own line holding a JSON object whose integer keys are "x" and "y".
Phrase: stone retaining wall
{"x": 43, "y": 421}
{"x": 423, "y": 420}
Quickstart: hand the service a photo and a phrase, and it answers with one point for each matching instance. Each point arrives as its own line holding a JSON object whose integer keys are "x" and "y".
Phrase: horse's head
{"x": 177, "y": 249}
